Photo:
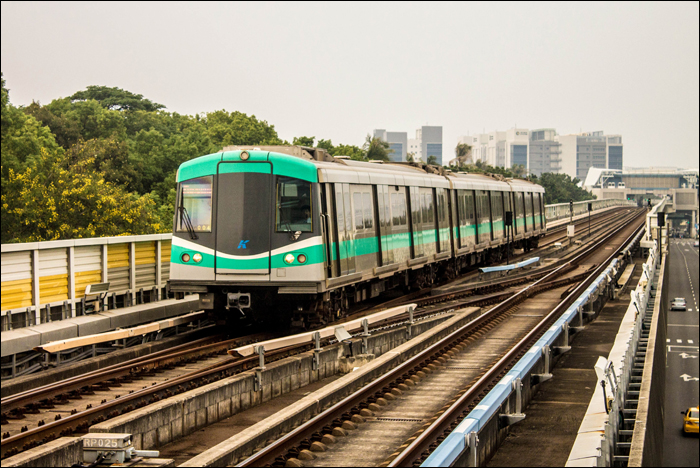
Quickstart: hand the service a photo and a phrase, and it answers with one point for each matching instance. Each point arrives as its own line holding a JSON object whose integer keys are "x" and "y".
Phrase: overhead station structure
{"x": 680, "y": 186}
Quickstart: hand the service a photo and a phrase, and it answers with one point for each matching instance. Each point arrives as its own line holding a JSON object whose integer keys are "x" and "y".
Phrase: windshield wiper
{"x": 188, "y": 223}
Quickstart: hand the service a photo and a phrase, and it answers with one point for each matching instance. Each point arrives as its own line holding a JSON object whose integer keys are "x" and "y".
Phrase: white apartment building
{"x": 503, "y": 149}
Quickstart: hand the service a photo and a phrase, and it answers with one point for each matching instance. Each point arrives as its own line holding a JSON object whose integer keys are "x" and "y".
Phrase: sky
{"x": 339, "y": 70}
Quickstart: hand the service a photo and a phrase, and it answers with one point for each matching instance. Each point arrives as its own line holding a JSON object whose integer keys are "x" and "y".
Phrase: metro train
{"x": 292, "y": 233}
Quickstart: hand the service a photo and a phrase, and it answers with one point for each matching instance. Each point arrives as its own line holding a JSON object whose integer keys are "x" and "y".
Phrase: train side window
{"x": 367, "y": 208}
{"x": 357, "y": 205}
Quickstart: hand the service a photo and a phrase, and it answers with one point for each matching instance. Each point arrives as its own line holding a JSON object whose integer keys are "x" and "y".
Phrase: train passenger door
{"x": 365, "y": 240}
{"x": 344, "y": 224}
{"x": 243, "y": 228}
{"x": 384, "y": 216}
{"x": 416, "y": 222}
{"x": 330, "y": 236}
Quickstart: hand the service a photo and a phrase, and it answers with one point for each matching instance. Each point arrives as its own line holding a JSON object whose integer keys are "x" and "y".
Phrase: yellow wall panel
{"x": 53, "y": 288}
{"x": 16, "y": 294}
{"x": 117, "y": 255}
{"x": 165, "y": 247}
{"x": 145, "y": 253}
{"x": 83, "y": 278}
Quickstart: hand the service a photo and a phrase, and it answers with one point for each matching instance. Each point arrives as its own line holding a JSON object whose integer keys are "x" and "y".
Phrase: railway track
{"x": 366, "y": 403}
{"x": 27, "y": 407}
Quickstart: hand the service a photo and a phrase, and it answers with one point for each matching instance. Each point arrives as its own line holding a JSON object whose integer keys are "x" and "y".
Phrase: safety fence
{"x": 46, "y": 281}
{"x": 563, "y": 210}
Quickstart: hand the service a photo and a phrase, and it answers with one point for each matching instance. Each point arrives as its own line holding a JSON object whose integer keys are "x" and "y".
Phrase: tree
{"x": 410, "y": 156}
{"x": 353, "y": 151}
{"x": 49, "y": 202}
{"x": 462, "y": 150}
{"x": 376, "y": 149}
{"x": 116, "y": 99}
{"x": 304, "y": 141}
{"x": 560, "y": 188}
{"x": 236, "y": 128}
{"x": 519, "y": 170}
{"x": 107, "y": 156}
{"x": 432, "y": 160}
{"x": 326, "y": 145}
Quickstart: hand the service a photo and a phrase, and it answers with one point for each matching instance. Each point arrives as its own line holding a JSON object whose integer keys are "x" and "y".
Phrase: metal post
{"x": 257, "y": 384}
{"x": 315, "y": 364}
{"x": 473, "y": 443}
{"x": 409, "y": 326}
{"x": 365, "y": 335}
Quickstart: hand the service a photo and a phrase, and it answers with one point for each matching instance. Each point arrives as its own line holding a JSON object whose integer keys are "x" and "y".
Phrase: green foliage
{"x": 49, "y": 202}
{"x": 116, "y": 99}
{"x": 432, "y": 160}
{"x": 462, "y": 149}
{"x": 559, "y": 188}
{"x": 341, "y": 150}
{"x": 304, "y": 141}
{"x": 236, "y": 128}
{"x": 376, "y": 149}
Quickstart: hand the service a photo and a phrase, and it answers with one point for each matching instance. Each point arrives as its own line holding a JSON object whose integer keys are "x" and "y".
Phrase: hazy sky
{"x": 338, "y": 71}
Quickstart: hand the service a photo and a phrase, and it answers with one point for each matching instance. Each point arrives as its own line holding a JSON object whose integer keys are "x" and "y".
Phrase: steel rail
{"x": 51, "y": 390}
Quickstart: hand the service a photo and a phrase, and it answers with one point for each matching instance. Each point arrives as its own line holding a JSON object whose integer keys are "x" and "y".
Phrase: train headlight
{"x": 289, "y": 258}
{"x": 197, "y": 257}
{"x": 301, "y": 258}
{"x": 185, "y": 257}
{"x": 245, "y": 155}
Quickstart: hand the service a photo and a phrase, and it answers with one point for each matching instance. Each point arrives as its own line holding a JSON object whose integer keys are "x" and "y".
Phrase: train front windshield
{"x": 195, "y": 198}
{"x": 293, "y": 205}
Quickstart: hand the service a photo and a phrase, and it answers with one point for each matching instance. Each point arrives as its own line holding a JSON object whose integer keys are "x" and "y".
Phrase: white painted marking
{"x": 687, "y": 378}
{"x": 686, "y": 356}
{"x": 690, "y": 341}
{"x": 679, "y": 341}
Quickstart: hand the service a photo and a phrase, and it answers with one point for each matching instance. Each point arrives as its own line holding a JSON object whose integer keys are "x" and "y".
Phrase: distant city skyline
{"x": 628, "y": 68}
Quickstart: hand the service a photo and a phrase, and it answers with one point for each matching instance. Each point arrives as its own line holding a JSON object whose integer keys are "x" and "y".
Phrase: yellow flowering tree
{"x": 49, "y": 202}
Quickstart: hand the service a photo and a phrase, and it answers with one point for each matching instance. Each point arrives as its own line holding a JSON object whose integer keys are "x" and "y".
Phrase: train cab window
{"x": 195, "y": 204}
{"x": 294, "y": 207}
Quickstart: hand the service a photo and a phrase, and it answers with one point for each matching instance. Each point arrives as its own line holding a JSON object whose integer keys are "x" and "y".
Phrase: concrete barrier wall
{"x": 65, "y": 451}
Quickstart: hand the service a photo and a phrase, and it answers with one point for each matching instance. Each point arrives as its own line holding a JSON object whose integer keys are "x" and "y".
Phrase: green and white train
{"x": 293, "y": 233}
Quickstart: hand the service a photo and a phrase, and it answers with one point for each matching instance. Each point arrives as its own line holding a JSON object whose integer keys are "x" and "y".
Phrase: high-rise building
{"x": 582, "y": 151}
{"x": 544, "y": 152}
{"x": 397, "y": 142}
{"x": 431, "y": 143}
